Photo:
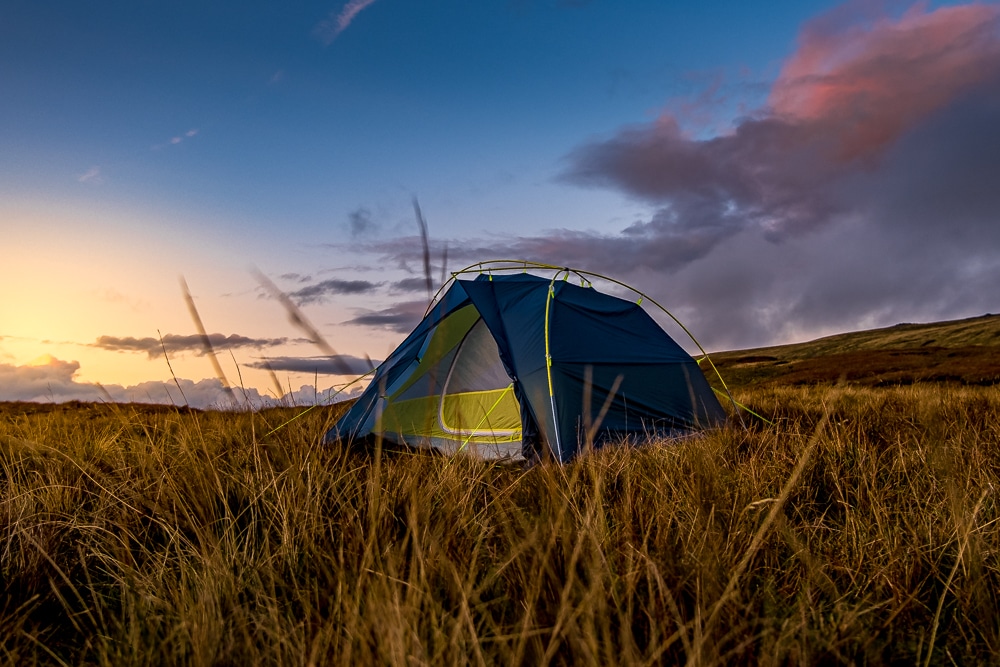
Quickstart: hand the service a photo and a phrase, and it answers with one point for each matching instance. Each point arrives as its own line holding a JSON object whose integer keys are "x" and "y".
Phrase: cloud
{"x": 111, "y": 295}
{"x": 308, "y": 395}
{"x": 409, "y": 285}
{"x": 330, "y": 29}
{"x": 867, "y": 84}
{"x": 175, "y": 343}
{"x": 319, "y": 291}
{"x": 53, "y": 380}
{"x": 861, "y": 195}
{"x": 362, "y": 223}
{"x": 400, "y": 318}
{"x": 843, "y": 99}
{"x": 176, "y": 139}
{"x": 50, "y": 380}
{"x": 92, "y": 176}
{"x": 321, "y": 365}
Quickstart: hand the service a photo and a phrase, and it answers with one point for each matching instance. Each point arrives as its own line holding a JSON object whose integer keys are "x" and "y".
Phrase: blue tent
{"x": 519, "y": 365}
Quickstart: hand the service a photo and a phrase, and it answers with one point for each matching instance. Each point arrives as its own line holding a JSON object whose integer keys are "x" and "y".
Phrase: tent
{"x": 519, "y": 365}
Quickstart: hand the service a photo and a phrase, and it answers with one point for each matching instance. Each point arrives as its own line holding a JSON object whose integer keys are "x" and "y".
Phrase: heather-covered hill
{"x": 959, "y": 351}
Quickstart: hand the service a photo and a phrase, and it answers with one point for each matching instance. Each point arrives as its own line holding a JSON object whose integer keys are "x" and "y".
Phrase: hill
{"x": 958, "y": 351}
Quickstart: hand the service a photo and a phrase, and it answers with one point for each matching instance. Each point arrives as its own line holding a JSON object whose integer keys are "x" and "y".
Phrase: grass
{"x": 960, "y": 351}
{"x": 862, "y": 526}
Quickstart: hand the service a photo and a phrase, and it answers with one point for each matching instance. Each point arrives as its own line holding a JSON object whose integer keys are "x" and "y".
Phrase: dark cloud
{"x": 409, "y": 285}
{"x": 918, "y": 239}
{"x": 849, "y": 93}
{"x": 406, "y": 254}
{"x": 401, "y": 317}
{"x": 321, "y": 365}
{"x": 175, "y": 343}
{"x": 322, "y": 290}
{"x": 295, "y": 277}
{"x": 770, "y": 175}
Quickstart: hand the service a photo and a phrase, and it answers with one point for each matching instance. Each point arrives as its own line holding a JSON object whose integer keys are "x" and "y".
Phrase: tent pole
{"x": 548, "y": 363}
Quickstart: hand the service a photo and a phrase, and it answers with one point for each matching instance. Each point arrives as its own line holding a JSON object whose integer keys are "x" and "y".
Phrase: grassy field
{"x": 861, "y": 526}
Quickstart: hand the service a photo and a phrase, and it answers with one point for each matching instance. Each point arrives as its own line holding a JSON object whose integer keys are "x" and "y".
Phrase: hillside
{"x": 958, "y": 351}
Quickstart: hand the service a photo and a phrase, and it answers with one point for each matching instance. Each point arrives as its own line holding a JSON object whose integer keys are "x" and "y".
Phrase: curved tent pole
{"x": 549, "y": 298}
{"x": 513, "y": 265}
{"x": 524, "y": 265}
{"x": 704, "y": 353}
{"x": 451, "y": 279}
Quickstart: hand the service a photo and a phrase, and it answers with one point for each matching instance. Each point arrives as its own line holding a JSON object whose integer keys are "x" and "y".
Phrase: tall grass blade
{"x": 299, "y": 320}
{"x": 425, "y": 246}
{"x": 206, "y": 342}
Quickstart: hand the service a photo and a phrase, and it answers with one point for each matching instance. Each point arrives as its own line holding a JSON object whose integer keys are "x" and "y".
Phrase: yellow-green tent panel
{"x": 472, "y": 417}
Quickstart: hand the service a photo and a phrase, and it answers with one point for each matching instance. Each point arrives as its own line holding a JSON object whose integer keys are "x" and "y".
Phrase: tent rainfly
{"x": 518, "y": 365}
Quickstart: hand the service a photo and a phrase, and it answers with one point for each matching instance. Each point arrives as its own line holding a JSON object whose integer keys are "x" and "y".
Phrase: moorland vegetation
{"x": 859, "y": 523}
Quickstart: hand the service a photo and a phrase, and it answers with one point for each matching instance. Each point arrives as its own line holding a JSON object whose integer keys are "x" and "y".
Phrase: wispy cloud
{"x": 329, "y": 29}
{"x": 181, "y": 137}
{"x": 361, "y": 223}
{"x": 320, "y": 365}
{"x": 177, "y": 139}
{"x": 111, "y": 295}
{"x": 320, "y": 291}
{"x": 409, "y": 285}
{"x": 400, "y": 318}
{"x": 175, "y": 343}
{"x": 92, "y": 176}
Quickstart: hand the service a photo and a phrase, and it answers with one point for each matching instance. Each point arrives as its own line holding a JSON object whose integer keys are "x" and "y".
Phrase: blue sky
{"x": 752, "y": 166}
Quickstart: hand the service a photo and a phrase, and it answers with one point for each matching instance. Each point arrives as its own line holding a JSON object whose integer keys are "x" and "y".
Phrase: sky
{"x": 769, "y": 172}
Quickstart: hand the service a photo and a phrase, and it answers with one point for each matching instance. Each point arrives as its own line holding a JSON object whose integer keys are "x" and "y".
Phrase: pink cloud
{"x": 869, "y": 83}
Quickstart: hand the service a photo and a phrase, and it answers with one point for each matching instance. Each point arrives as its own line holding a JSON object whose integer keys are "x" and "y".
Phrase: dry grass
{"x": 961, "y": 352}
{"x": 860, "y": 527}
